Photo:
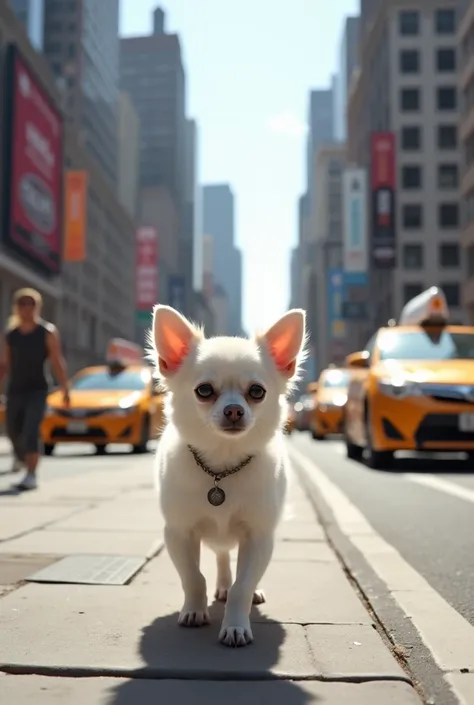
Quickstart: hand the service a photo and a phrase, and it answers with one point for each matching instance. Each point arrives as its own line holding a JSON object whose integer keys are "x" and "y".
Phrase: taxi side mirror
{"x": 358, "y": 359}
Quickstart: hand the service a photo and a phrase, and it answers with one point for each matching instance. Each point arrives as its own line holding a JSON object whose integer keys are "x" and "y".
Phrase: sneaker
{"x": 28, "y": 482}
{"x": 17, "y": 465}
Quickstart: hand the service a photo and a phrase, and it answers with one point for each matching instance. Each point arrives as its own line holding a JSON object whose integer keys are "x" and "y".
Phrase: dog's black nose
{"x": 234, "y": 412}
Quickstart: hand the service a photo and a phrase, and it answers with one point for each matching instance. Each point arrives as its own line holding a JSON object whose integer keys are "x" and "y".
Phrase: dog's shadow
{"x": 174, "y": 656}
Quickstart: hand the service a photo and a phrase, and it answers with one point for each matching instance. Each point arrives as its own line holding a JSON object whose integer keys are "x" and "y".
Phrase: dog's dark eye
{"x": 204, "y": 391}
{"x": 256, "y": 392}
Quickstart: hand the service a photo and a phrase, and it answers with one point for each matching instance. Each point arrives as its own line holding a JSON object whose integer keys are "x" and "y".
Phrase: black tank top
{"x": 28, "y": 355}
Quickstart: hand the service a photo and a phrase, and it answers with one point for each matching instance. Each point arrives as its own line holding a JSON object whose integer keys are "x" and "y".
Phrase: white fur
{"x": 255, "y": 495}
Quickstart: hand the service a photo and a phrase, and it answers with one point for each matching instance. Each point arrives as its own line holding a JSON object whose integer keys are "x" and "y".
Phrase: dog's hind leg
{"x": 224, "y": 576}
{"x": 184, "y": 551}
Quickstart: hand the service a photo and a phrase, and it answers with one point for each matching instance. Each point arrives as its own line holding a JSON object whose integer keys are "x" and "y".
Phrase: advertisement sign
{"x": 335, "y": 297}
{"x": 355, "y": 220}
{"x": 176, "y": 293}
{"x": 33, "y": 168}
{"x": 354, "y": 307}
{"x": 75, "y": 216}
{"x": 383, "y": 182}
{"x": 146, "y": 272}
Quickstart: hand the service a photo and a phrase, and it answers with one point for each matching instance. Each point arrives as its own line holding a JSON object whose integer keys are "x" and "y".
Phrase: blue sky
{"x": 249, "y": 69}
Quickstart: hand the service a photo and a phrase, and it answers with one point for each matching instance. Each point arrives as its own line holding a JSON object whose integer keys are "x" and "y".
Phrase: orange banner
{"x": 75, "y": 216}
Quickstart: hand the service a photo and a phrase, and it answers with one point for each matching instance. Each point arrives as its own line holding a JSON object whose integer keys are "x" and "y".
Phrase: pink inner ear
{"x": 173, "y": 339}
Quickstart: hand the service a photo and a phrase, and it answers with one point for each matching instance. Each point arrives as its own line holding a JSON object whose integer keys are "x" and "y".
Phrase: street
{"x": 391, "y": 551}
{"x": 423, "y": 511}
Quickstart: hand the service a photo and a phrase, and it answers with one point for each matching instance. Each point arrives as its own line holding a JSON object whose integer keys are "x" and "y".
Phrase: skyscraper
{"x": 219, "y": 223}
{"x": 82, "y": 46}
{"x": 31, "y": 13}
{"x": 348, "y": 60}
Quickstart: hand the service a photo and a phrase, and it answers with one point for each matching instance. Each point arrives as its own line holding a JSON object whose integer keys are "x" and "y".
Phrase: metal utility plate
{"x": 90, "y": 570}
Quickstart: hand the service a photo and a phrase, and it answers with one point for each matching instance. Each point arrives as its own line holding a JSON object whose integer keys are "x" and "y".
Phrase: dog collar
{"x": 216, "y": 495}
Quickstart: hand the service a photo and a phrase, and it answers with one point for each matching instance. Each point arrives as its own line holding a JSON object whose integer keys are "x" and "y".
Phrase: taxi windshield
{"x": 107, "y": 380}
{"x": 336, "y": 379}
{"x": 434, "y": 344}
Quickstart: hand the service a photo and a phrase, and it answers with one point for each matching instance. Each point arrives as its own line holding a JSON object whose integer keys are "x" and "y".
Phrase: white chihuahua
{"x": 221, "y": 461}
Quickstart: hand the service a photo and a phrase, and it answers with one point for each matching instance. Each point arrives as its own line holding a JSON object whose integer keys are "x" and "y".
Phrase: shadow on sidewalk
{"x": 181, "y": 655}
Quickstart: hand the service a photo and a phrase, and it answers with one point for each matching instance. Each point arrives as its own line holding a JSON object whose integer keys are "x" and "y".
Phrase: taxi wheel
{"x": 48, "y": 449}
{"x": 142, "y": 447}
{"x": 317, "y": 436}
{"x": 353, "y": 452}
{"x": 100, "y": 450}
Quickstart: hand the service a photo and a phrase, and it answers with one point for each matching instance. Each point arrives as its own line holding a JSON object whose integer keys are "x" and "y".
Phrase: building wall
{"x": 466, "y": 57}
{"x": 348, "y": 60}
{"x": 376, "y": 106}
{"x": 220, "y": 310}
{"x": 128, "y": 155}
{"x": 91, "y": 301}
{"x": 31, "y": 15}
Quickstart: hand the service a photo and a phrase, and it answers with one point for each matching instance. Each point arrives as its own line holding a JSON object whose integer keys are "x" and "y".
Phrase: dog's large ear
{"x": 285, "y": 340}
{"x": 174, "y": 337}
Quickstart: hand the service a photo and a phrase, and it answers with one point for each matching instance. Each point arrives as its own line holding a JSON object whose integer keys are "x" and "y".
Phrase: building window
{"x": 448, "y": 176}
{"x": 409, "y": 23}
{"x": 411, "y": 177}
{"x": 452, "y": 293}
{"x": 409, "y": 61}
{"x": 447, "y": 136}
{"x": 413, "y": 256}
{"x": 445, "y": 60}
{"x": 412, "y": 216}
{"x": 470, "y": 261}
{"x": 410, "y": 99}
{"x": 446, "y": 98}
{"x": 448, "y": 215}
{"x": 410, "y": 291}
{"x": 449, "y": 255}
{"x": 411, "y": 138}
{"x": 445, "y": 21}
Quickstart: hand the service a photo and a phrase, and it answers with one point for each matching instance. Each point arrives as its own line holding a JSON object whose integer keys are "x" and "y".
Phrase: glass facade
{"x": 100, "y": 80}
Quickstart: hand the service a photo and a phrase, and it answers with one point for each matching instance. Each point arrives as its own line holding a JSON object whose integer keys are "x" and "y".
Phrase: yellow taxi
{"x": 327, "y": 414}
{"x": 118, "y": 402}
{"x": 412, "y": 389}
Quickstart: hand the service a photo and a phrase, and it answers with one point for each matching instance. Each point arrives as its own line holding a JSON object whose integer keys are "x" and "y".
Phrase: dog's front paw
{"x": 221, "y": 594}
{"x": 236, "y": 636}
{"x": 258, "y": 597}
{"x": 193, "y": 618}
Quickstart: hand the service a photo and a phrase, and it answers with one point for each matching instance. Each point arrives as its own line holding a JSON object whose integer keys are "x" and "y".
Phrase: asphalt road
{"x": 432, "y": 529}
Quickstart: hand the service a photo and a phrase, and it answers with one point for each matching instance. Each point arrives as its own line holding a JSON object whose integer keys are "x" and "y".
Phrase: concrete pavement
{"x": 315, "y": 642}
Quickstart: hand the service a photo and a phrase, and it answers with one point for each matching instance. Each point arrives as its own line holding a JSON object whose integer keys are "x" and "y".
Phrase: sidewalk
{"x": 314, "y": 641}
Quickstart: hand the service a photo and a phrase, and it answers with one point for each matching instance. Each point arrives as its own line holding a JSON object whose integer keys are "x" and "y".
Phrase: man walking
{"x": 29, "y": 342}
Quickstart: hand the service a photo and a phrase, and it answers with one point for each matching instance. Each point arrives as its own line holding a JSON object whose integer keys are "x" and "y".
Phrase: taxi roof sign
{"x": 124, "y": 352}
{"x": 428, "y": 308}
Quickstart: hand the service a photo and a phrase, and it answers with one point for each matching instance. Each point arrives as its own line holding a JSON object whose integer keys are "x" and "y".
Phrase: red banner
{"x": 383, "y": 160}
{"x": 146, "y": 295}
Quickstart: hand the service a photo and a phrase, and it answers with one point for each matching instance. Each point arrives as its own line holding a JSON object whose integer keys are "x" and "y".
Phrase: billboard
{"x": 33, "y": 168}
{"x": 355, "y": 221}
{"x": 335, "y": 296}
{"x": 354, "y": 307}
{"x": 176, "y": 292}
{"x": 146, "y": 271}
{"x": 383, "y": 181}
{"x": 75, "y": 216}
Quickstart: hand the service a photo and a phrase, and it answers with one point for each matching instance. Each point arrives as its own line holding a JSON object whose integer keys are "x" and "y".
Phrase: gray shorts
{"x": 23, "y": 415}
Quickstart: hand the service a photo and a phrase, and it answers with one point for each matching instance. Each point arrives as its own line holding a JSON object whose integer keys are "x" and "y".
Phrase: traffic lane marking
{"x": 442, "y": 485}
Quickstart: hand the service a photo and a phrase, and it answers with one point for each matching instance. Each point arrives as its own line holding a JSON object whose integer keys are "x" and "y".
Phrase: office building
{"x": 325, "y": 270}
{"x": 466, "y": 58}
{"x": 320, "y": 126}
{"x": 128, "y": 155}
{"x": 90, "y": 300}
{"x": 31, "y": 15}
{"x": 219, "y": 223}
{"x": 82, "y": 47}
{"x": 403, "y": 115}
{"x": 347, "y": 62}
{"x": 152, "y": 73}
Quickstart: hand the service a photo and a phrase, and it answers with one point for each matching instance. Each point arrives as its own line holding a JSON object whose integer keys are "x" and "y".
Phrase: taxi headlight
{"x": 399, "y": 388}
